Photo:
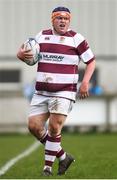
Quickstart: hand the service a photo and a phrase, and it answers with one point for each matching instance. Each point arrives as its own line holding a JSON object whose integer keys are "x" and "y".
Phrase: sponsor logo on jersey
{"x": 47, "y": 38}
{"x": 52, "y": 57}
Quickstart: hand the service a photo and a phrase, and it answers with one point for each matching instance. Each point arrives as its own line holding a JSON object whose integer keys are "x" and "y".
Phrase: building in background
{"x": 96, "y": 20}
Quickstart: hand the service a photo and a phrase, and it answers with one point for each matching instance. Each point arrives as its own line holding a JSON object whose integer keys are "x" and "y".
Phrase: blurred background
{"x": 96, "y": 20}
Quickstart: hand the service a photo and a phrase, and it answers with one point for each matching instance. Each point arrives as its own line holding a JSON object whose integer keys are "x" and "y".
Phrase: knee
{"x": 31, "y": 124}
{"x": 55, "y": 128}
{"x": 34, "y": 125}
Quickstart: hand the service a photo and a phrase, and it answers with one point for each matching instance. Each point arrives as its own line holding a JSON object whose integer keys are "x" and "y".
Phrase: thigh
{"x": 60, "y": 106}
{"x": 57, "y": 118}
{"x": 39, "y": 120}
{"x": 39, "y": 105}
{"x": 38, "y": 110}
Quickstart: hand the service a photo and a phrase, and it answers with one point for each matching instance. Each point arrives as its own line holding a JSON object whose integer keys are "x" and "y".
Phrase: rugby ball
{"x": 32, "y": 44}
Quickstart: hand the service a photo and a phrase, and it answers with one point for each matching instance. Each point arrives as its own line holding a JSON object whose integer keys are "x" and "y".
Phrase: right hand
{"x": 24, "y": 54}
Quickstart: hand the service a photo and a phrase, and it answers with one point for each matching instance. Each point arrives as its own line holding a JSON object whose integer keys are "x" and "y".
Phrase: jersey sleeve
{"x": 37, "y": 37}
{"x": 83, "y": 49}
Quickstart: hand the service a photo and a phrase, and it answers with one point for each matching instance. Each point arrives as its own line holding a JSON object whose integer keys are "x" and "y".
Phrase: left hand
{"x": 83, "y": 90}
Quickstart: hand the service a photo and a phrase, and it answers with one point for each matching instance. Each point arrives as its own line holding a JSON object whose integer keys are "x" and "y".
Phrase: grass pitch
{"x": 95, "y": 154}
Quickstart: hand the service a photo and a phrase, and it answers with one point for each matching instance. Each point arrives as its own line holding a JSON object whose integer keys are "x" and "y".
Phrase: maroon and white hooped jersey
{"x": 57, "y": 71}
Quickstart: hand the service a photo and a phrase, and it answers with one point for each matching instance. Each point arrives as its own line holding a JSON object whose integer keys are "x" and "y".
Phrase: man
{"x": 61, "y": 50}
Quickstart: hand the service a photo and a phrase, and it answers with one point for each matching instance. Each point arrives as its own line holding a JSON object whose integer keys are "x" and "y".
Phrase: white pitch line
{"x": 25, "y": 153}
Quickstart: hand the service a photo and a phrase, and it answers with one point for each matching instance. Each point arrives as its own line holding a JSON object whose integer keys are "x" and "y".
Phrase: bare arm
{"x": 84, "y": 87}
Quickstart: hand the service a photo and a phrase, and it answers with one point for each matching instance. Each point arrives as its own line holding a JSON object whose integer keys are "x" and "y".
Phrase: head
{"x": 61, "y": 20}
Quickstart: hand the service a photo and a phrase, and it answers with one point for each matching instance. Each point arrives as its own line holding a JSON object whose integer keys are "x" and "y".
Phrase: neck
{"x": 56, "y": 33}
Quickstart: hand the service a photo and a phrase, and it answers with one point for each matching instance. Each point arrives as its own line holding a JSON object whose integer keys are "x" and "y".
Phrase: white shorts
{"x": 41, "y": 104}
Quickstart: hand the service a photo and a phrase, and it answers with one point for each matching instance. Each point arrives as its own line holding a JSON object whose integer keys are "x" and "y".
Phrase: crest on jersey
{"x": 62, "y": 39}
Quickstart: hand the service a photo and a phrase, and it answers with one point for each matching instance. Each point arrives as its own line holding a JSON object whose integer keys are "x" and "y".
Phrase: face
{"x": 61, "y": 24}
